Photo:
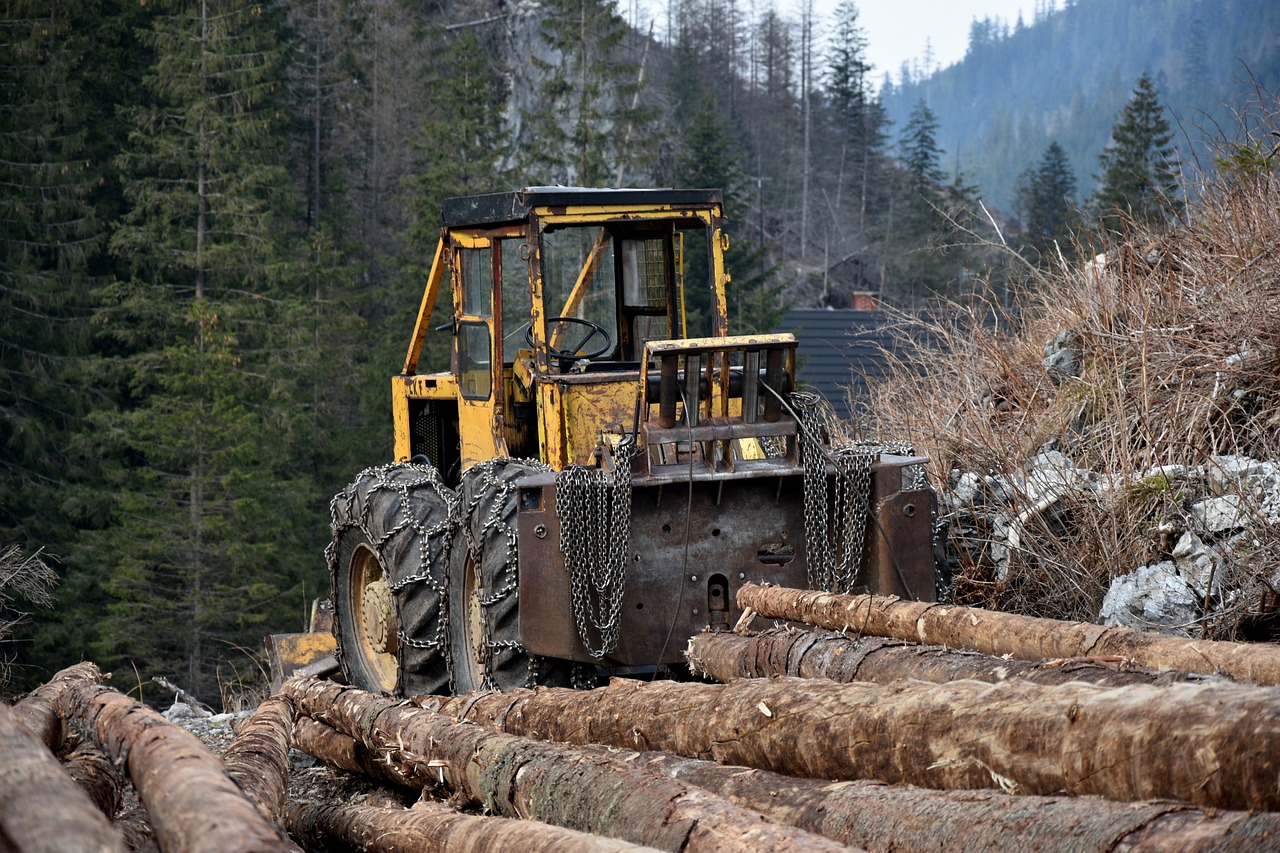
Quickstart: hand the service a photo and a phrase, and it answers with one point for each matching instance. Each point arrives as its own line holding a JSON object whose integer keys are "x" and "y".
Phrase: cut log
{"x": 725, "y": 656}
{"x": 903, "y": 819}
{"x": 1022, "y": 637}
{"x": 38, "y": 710}
{"x": 41, "y": 808}
{"x": 1214, "y": 745}
{"x": 90, "y": 768}
{"x": 257, "y": 759}
{"x": 435, "y": 828}
{"x": 192, "y": 803}
{"x": 346, "y": 753}
{"x": 135, "y": 826}
{"x": 516, "y": 777}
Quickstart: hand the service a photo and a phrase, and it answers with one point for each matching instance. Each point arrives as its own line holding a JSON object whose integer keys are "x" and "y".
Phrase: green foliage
{"x": 1047, "y": 207}
{"x": 1140, "y": 168}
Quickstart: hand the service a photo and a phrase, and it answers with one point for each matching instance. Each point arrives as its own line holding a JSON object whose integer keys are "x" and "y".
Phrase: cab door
{"x": 477, "y": 358}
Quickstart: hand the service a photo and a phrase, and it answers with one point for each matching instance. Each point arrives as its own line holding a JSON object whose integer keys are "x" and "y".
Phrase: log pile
{"x": 855, "y": 733}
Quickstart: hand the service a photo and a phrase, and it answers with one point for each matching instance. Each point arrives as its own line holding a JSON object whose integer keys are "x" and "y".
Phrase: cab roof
{"x": 514, "y": 206}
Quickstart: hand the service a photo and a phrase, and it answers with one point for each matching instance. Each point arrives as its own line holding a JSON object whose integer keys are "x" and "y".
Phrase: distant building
{"x": 839, "y": 350}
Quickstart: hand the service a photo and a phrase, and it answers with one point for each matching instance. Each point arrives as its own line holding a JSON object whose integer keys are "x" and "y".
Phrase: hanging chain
{"x": 594, "y": 508}
{"x": 836, "y": 512}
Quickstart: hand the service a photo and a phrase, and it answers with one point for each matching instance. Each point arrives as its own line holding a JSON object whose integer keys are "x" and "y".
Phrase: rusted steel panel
{"x": 606, "y": 404}
{"x": 684, "y": 566}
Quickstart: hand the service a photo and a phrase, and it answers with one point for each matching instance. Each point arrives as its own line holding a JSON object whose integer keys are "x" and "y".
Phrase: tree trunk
{"x": 90, "y": 768}
{"x": 258, "y": 758}
{"x": 808, "y": 654}
{"x": 346, "y": 753}
{"x": 41, "y": 808}
{"x": 191, "y": 801}
{"x": 136, "y": 828}
{"x": 517, "y": 777}
{"x": 1212, "y": 745}
{"x": 905, "y": 820}
{"x": 431, "y": 827}
{"x": 38, "y": 710}
{"x": 1023, "y": 637}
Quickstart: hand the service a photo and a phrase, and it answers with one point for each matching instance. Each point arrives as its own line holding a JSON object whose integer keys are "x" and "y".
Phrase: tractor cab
{"x": 558, "y": 293}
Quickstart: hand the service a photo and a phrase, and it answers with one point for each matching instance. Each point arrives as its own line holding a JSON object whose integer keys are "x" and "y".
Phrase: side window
{"x": 516, "y": 303}
{"x": 477, "y": 281}
{"x": 475, "y": 376}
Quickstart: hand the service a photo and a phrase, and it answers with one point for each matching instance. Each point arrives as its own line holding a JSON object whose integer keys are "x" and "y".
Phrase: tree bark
{"x": 807, "y": 654}
{"x": 431, "y": 827}
{"x": 346, "y": 753}
{"x": 903, "y": 819}
{"x": 136, "y": 828}
{"x": 517, "y": 777}
{"x": 191, "y": 801}
{"x": 38, "y": 710}
{"x": 41, "y": 808}
{"x": 1023, "y": 637}
{"x": 90, "y": 768}
{"x": 258, "y": 758}
{"x": 1213, "y": 745}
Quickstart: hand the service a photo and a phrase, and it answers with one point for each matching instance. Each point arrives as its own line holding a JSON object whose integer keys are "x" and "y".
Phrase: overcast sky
{"x": 897, "y": 30}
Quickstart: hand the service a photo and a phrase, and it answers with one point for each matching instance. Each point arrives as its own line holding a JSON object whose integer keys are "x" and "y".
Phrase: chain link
{"x": 594, "y": 508}
{"x": 490, "y": 486}
{"x": 836, "y": 512}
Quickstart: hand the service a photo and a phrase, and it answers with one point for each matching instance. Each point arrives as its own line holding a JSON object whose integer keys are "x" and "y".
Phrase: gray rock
{"x": 1216, "y": 515}
{"x": 1062, "y": 356}
{"x": 1154, "y": 597}
{"x": 1198, "y": 564}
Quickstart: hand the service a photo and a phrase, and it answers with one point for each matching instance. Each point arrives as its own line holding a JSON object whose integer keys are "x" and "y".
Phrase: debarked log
{"x": 724, "y": 656}
{"x": 38, "y": 710}
{"x": 1214, "y": 745}
{"x": 1023, "y": 637}
{"x": 41, "y": 808}
{"x": 258, "y": 757}
{"x": 192, "y": 803}
{"x": 431, "y": 827}
{"x": 517, "y": 777}
{"x": 904, "y": 819}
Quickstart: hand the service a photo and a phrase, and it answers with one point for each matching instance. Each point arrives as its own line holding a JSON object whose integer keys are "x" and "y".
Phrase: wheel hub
{"x": 378, "y": 612}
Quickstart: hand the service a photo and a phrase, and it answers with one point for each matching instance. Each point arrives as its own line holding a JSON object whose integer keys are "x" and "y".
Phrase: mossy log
{"x": 192, "y": 803}
{"x": 41, "y": 809}
{"x": 724, "y": 656}
{"x": 517, "y": 777}
{"x": 1212, "y": 745}
{"x": 904, "y": 819}
{"x": 1022, "y": 637}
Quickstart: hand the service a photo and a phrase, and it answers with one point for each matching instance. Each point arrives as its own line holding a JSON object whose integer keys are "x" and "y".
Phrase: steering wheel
{"x": 568, "y": 356}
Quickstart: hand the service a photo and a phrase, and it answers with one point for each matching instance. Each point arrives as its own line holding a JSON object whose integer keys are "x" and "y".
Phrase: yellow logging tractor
{"x": 602, "y": 465}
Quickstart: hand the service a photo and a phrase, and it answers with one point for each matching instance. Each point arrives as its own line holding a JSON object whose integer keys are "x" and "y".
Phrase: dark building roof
{"x": 838, "y": 351}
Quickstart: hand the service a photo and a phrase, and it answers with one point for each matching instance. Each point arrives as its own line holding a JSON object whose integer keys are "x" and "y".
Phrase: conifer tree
{"x": 48, "y": 233}
{"x": 1140, "y": 167}
{"x": 205, "y": 458}
{"x": 1047, "y": 199}
{"x": 858, "y": 115}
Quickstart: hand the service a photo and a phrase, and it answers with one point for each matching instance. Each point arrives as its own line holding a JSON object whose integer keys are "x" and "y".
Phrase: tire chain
{"x": 835, "y": 556}
{"x": 594, "y": 508}
{"x": 487, "y": 473}
{"x": 427, "y": 477}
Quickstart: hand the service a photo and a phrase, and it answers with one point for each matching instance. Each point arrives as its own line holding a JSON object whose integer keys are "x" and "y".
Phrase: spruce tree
{"x": 206, "y": 448}
{"x": 858, "y": 115}
{"x": 1140, "y": 167}
{"x": 1049, "y": 207}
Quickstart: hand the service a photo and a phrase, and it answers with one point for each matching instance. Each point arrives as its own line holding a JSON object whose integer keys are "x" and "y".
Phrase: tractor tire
{"x": 484, "y": 613}
{"x": 387, "y": 564}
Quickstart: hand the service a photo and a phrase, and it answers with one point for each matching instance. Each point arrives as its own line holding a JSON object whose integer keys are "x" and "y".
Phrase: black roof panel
{"x": 495, "y": 208}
